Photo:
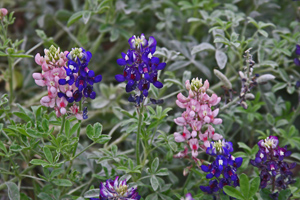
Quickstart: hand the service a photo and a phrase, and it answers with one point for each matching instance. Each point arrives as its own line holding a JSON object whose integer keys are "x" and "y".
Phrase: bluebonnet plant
{"x": 141, "y": 68}
{"x": 269, "y": 159}
{"x": 115, "y": 190}
{"x": 77, "y": 72}
{"x": 224, "y": 164}
{"x": 79, "y": 78}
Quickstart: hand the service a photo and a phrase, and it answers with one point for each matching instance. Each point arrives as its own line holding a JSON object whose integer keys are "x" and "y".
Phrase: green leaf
{"x": 154, "y": 182}
{"x": 90, "y": 131}
{"x": 73, "y": 130}
{"x": 13, "y": 192}
{"x": 24, "y": 197}
{"x": 278, "y": 86}
{"x": 221, "y": 58}
{"x": 2, "y": 146}
{"x": 244, "y": 146}
{"x": 115, "y": 33}
{"x": 284, "y": 194}
{"x": 74, "y": 18}
{"x": 48, "y": 154}
{"x": 97, "y": 130}
{"x": 39, "y": 162}
{"x": 283, "y": 75}
{"x": 264, "y": 33}
{"x": 254, "y": 186}
{"x": 20, "y": 56}
{"x": 23, "y": 116}
{"x": 92, "y": 193}
{"x": 45, "y": 196}
{"x": 62, "y": 182}
{"x": 270, "y": 119}
{"x": 103, "y": 139}
{"x": 296, "y": 155}
{"x": 155, "y": 165}
{"x": 45, "y": 124}
{"x": 162, "y": 172}
{"x": 244, "y": 185}
{"x": 152, "y": 196}
{"x": 86, "y": 16}
{"x": 56, "y": 172}
{"x": 202, "y": 47}
{"x": 67, "y": 127}
{"x": 231, "y": 191}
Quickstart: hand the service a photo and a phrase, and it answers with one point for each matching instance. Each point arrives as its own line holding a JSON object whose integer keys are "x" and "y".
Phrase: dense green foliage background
{"x": 195, "y": 37}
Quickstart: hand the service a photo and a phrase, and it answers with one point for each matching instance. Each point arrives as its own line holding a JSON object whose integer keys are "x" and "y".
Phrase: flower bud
{"x": 223, "y": 78}
{"x": 3, "y": 12}
{"x": 265, "y": 78}
{"x": 187, "y": 84}
{"x": 244, "y": 105}
{"x": 249, "y": 96}
{"x": 196, "y": 84}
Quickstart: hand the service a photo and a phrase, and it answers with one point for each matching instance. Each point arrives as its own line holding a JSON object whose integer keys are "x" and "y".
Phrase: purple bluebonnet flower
{"x": 79, "y": 76}
{"x": 140, "y": 67}
{"x": 269, "y": 159}
{"x": 115, "y": 190}
{"x": 297, "y": 51}
{"x": 225, "y": 164}
{"x": 220, "y": 147}
{"x": 213, "y": 187}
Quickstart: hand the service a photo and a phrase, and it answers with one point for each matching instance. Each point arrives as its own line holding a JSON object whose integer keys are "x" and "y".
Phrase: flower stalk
{"x": 137, "y": 145}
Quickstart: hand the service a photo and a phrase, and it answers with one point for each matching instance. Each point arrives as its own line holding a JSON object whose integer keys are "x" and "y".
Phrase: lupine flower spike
{"x": 269, "y": 159}
{"x": 198, "y": 119}
{"x": 140, "y": 68}
{"x": 115, "y": 190}
{"x": 67, "y": 78}
{"x": 225, "y": 165}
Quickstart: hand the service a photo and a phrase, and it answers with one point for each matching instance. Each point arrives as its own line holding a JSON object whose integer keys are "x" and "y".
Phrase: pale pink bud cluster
{"x": 53, "y": 64}
{"x": 3, "y": 12}
{"x": 198, "y": 118}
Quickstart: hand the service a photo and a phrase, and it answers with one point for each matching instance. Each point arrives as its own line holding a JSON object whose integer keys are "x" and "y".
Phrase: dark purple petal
{"x": 62, "y": 82}
{"x": 60, "y": 94}
{"x": 121, "y": 61}
{"x": 297, "y": 51}
{"x": 91, "y": 73}
{"x": 297, "y": 61}
{"x": 161, "y": 66}
{"x": 145, "y": 92}
{"x": 98, "y": 79}
{"x": 155, "y": 60}
{"x": 120, "y": 78}
{"x": 158, "y": 84}
{"x": 93, "y": 95}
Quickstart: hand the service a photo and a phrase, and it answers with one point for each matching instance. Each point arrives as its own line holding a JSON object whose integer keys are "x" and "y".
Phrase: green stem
{"x": 7, "y": 116}
{"x": 137, "y": 147}
{"x": 83, "y": 150}
{"x": 78, "y": 131}
{"x": 11, "y": 75}
{"x": 295, "y": 115}
{"x": 187, "y": 180}
{"x": 97, "y": 43}
{"x": 230, "y": 103}
{"x": 62, "y": 124}
{"x": 3, "y": 186}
